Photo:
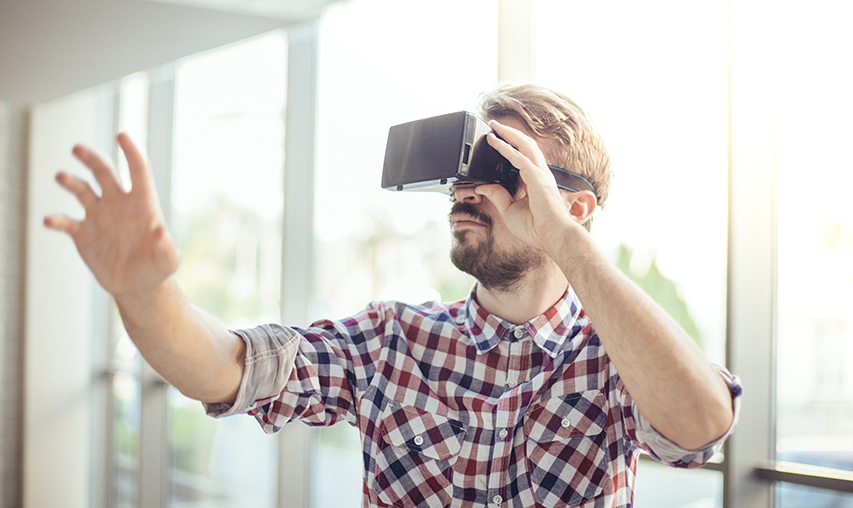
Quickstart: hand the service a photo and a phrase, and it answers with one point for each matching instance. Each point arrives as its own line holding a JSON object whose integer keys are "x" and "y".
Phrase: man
{"x": 538, "y": 390}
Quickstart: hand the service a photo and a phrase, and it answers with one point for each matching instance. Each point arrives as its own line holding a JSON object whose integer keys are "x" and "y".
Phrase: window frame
{"x": 751, "y": 471}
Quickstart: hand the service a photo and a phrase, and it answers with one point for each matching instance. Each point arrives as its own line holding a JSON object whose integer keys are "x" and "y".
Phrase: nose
{"x": 466, "y": 193}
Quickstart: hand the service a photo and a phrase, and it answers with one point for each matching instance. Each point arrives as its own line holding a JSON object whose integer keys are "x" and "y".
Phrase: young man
{"x": 538, "y": 390}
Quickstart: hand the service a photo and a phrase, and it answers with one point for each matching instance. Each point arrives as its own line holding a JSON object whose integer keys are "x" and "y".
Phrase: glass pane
{"x": 133, "y": 117}
{"x": 653, "y": 75}
{"x": 662, "y": 486}
{"x": 815, "y": 236}
{"x": 126, "y": 405}
{"x": 337, "y": 455}
{"x": 219, "y": 463}
{"x": 797, "y": 496}
{"x": 227, "y": 204}
{"x": 124, "y": 470}
{"x": 124, "y": 355}
{"x": 372, "y": 244}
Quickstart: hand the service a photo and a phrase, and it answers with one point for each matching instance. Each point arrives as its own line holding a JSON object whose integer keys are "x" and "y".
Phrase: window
{"x": 814, "y": 245}
{"x": 227, "y": 205}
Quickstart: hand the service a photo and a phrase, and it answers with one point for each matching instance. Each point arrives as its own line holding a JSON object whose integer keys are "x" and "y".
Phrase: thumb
{"x": 498, "y": 195}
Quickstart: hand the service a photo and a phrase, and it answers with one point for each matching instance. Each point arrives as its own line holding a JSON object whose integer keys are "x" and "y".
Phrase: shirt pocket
{"x": 413, "y": 464}
{"x": 567, "y": 453}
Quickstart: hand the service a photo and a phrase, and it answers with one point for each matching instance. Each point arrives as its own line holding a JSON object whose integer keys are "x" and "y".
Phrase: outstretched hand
{"x": 123, "y": 238}
{"x": 537, "y": 210}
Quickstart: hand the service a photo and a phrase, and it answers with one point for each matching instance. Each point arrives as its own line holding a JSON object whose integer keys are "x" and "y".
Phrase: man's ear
{"x": 581, "y": 205}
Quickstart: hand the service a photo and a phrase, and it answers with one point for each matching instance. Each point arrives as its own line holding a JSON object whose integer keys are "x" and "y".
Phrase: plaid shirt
{"x": 457, "y": 407}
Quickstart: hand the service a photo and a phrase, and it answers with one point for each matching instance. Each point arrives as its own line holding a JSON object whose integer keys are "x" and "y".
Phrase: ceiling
{"x": 52, "y": 48}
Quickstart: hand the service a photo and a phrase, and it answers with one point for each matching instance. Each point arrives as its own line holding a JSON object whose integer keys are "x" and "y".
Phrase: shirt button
{"x": 566, "y": 423}
{"x": 503, "y": 433}
{"x": 419, "y": 440}
{"x": 497, "y": 500}
{"x": 519, "y": 333}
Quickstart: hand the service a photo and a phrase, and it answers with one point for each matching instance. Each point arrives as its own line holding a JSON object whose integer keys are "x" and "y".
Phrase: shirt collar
{"x": 551, "y": 330}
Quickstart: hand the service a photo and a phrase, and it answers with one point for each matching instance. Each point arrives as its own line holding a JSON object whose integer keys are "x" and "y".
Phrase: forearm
{"x": 191, "y": 349}
{"x": 668, "y": 377}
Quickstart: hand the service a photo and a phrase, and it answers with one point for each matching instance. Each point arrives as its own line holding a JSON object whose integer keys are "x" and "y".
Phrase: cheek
{"x": 502, "y": 236}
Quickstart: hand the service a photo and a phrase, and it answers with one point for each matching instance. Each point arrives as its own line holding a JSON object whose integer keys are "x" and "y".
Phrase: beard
{"x": 495, "y": 269}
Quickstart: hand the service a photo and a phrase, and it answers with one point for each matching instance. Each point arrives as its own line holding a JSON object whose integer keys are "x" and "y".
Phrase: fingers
{"x": 527, "y": 169}
{"x": 509, "y": 151}
{"x": 81, "y": 189}
{"x": 101, "y": 170}
{"x": 62, "y": 223}
{"x": 521, "y": 144}
{"x": 523, "y": 153}
{"x": 135, "y": 162}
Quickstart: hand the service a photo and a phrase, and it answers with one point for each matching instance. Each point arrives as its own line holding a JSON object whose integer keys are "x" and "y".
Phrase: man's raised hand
{"x": 537, "y": 211}
{"x": 123, "y": 237}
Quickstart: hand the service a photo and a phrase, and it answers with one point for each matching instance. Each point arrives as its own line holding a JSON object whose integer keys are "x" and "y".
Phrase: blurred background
{"x": 265, "y": 123}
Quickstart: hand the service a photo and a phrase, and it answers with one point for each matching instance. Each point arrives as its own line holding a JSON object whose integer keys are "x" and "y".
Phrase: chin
{"x": 461, "y": 238}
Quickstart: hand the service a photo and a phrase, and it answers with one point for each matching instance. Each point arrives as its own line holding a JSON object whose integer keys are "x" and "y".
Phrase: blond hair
{"x": 571, "y": 139}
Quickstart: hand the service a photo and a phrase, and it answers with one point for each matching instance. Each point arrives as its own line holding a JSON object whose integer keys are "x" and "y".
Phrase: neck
{"x": 530, "y": 297}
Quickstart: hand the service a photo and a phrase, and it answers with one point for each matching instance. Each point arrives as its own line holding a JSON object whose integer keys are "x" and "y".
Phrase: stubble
{"x": 497, "y": 269}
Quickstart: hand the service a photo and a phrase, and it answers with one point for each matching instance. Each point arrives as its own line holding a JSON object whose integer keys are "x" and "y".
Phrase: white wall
{"x": 59, "y": 378}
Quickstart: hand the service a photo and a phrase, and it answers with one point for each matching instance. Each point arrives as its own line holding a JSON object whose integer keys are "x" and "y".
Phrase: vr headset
{"x": 435, "y": 153}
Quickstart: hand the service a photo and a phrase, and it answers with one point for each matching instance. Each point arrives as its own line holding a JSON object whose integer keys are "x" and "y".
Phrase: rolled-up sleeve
{"x": 270, "y": 355}
{"x": 670, "y": 453}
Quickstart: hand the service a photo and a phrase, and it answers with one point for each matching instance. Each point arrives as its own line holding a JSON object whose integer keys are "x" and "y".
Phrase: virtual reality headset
{"x": 435, "y": 153}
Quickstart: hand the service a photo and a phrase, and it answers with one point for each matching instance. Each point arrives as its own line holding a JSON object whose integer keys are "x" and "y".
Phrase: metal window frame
{"x": 102, "y": 308}
{"x": 154, "y": 457}
{"x": 810, "y": 476}
{"x": 516, "y": 41}
{"x": 297, "y": 267}
{"x": 751, "y": 274}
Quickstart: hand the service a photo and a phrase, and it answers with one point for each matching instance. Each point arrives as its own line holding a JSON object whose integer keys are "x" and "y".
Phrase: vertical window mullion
{"x": 102, "y": 327}
{"x": 153, "y": 444}
{"x": 516, "y": 41}
{"x": 298, "y": 239}
{"x": 751, "y": 251}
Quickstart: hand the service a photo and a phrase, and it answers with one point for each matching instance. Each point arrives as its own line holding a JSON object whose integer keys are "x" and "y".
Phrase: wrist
{"x": 149, "y": 297}
{"x": 573, "y": 250}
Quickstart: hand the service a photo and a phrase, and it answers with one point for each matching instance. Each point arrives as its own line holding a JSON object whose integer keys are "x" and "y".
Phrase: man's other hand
{"x": 123, "y": 237}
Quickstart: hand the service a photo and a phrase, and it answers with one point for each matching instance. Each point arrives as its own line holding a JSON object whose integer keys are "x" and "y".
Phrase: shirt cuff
{"x": 666, "y": 451}
{"x": 270, "y": 356}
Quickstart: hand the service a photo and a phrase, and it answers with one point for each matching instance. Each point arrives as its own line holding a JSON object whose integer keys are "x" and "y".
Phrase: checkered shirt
{"x": 457, "y": 407}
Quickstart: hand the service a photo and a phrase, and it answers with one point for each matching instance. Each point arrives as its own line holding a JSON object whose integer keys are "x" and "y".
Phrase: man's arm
{"x": 124, "y": 241}
{"x": 190, "y": 348}
{"x": 668, "y": 377}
